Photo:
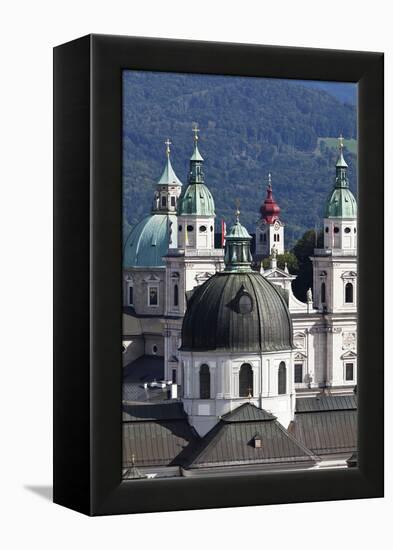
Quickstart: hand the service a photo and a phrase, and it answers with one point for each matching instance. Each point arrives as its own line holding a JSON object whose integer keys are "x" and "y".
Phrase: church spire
{"x": 237, "y": 247}
{"x": 341, "y": 166}
{"x": 168, "y": 176}
{"x": 168, "y": 187}
{"x": 270, "y": 210}
{"x": 196, "y": 161}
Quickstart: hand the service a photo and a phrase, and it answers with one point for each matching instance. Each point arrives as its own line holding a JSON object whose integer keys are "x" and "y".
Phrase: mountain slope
{"x": 249, "y": 126}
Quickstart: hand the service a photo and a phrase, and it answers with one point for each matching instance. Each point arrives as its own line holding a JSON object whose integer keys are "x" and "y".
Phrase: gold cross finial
{"x": 249, "y": 393}
{"x": 195, "y": 129}
{"x": 341, "y": 142}
{"x": 269, "y": 179}
{"x": 168, "y": 143}
{"x": 237, "y": 213}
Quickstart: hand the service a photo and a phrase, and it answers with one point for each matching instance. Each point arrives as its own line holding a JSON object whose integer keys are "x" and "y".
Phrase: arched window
{"x": 246, "y": 381}
{"x": 130, "y": 294}
{"x": 176, "y": 295}
{"x": 204, "y": 382}
{"x": 349, "y": 293}
{"x": 282, "y": 378}
{"x": 163, "y": 201}
{"x": 323, "y": 293}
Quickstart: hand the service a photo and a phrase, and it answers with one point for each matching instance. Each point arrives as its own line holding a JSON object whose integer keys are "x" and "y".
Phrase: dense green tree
{"x": 303, "y": 249}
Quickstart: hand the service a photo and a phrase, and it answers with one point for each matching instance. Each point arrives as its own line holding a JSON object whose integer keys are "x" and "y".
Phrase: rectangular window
{"x": 348, "y": 371}
{"x": 130, "y": 295}
{"x": 153, "y": 296}
{"x": 174, "y": 376}
{"x": 298, "y": 373}
{"x": 173, "y": 201}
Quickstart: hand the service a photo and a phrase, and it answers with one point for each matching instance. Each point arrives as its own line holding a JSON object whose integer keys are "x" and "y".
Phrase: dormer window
{"x": 257, "y": 440}
{"x": 245, "y": 304}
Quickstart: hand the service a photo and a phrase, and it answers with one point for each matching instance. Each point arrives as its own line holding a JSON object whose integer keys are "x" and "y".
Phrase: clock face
{"x": 276, "y": 225}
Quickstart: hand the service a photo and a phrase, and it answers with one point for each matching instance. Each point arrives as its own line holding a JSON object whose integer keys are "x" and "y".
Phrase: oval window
{"x": 354, "y": 230}
{"x": 202, "y": 229}
{"x": 180, "y": 228}
{"x": 211, "y": 228}
{"x": 245, "y": 304}
{"x": 326, "y": 230}
{"x": 155, "y": 349}
{"x": 336, "y": 229}
{"x": 190, "y": 228}
{"x": 347, "y": 230}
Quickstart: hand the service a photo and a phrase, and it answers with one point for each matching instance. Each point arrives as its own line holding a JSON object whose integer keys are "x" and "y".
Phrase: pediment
{"x": 300, "y": 356}
{"x": 349, "y": 275}
{"x": 277, "y": 274}
{"x": 349, "y": 355}
{"x": 152, "y": 278}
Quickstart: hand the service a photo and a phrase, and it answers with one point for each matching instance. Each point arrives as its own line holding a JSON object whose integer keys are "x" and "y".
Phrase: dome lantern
{"x": 197, "y": 199}
{"x": 237, "y": 248}
{"x": 341, "y": 202}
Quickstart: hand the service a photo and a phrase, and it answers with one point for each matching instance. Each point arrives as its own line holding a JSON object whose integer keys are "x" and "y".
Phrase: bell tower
{"x": 269, "y": 231}
{"x": 335, "y": 280}
{"x": 196, "y": 207}
{"x": 335, "y": 263}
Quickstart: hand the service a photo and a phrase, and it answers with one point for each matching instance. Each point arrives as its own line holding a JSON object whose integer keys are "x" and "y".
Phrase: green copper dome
{"x": 238, "y": 312}
{"x": 197, "y": 200}
{"x": 341, "y": 202}
{"x": 148, "y": 241}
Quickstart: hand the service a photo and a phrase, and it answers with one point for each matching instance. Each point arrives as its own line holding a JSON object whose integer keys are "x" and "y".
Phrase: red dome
{"x": 270, "y": 210}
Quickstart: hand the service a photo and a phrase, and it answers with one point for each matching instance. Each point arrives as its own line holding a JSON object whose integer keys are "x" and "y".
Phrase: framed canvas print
{"x": 218, "y": 302}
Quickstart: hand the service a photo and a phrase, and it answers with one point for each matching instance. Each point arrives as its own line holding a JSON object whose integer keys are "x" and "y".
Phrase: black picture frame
{"x": 87, "y": 274}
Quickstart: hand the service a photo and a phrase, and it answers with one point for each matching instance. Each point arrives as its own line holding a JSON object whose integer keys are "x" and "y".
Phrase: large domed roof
{"x": 148, "y": 241}
{"x": 237, "y": 312}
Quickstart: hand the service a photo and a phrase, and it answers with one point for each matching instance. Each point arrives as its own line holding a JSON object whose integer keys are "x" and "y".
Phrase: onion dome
{"x": 197, "y": 199}
{"x": 148, "y": 241}
{"x": 237, "y": 309}
{"x": 341, "y": 202}
{"x": 270, "y": 210}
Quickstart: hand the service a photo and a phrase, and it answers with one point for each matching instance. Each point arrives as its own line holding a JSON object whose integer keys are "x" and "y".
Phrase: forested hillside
{"x": 249, "y": 127}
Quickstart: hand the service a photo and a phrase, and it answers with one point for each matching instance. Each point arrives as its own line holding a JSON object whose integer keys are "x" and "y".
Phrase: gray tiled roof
{"x": 247, "y": 413}
{"x": 327, "y": 432}
{"x": 326, "y": 403}
{"x": 232, "y": 442}
{"x": 156, "y": 434}
{"x": 156, "y": 443}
